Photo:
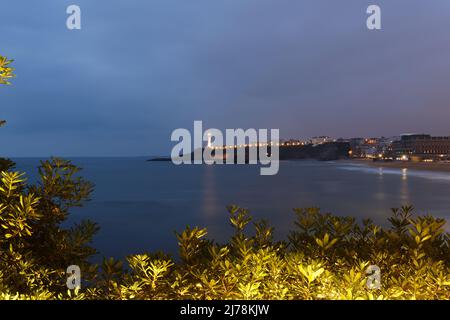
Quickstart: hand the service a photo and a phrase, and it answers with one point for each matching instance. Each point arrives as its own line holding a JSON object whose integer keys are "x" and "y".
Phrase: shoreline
{"x": 417, "y": 166}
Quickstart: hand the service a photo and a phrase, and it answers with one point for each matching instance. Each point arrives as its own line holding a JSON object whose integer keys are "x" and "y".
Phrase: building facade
{"x": 422, "y": 147}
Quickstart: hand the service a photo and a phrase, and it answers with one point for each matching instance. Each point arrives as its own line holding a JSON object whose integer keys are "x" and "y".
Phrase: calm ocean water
{"x": 140, "y": 204}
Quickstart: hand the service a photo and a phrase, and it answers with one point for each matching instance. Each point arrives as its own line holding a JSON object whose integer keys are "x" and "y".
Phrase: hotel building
{"x": 422, "y": 147}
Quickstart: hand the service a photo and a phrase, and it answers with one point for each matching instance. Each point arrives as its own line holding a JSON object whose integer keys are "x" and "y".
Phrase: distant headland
{"x": 293, "y": 151}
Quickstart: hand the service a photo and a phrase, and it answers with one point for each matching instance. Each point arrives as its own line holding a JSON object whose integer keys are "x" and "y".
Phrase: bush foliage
{"x": 6, "y": 72}
{"x": 324, "y": 257}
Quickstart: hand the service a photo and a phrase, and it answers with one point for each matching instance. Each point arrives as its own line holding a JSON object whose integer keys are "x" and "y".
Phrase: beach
{"x": 423, "y": 166}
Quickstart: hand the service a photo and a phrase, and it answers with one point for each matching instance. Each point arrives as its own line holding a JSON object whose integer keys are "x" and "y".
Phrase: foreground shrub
{"x": 324, "y": 257}
{"x": 34, "y": 249}
{"x": 6, "y": 72}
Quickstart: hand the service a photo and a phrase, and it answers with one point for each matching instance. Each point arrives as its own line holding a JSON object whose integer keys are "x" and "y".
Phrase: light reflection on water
{"x": 404, "y": 172}
{"x": 140, "y": 204}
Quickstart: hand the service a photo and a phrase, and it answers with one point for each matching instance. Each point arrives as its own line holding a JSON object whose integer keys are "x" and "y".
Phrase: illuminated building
{"x": 422, "y": 147}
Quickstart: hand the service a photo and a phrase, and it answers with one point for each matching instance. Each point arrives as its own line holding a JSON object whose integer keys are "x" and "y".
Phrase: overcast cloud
{"x": 140, "y": 69}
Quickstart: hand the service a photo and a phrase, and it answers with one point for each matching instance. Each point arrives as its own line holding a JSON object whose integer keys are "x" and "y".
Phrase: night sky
{"x": 137, "y": 70}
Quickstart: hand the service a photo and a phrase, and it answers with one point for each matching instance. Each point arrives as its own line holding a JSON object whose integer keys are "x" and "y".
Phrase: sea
{"x": 139, "y": 205}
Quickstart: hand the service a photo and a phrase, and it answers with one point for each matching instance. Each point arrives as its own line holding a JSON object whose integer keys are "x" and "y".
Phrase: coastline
{"x": 419, "y": 166}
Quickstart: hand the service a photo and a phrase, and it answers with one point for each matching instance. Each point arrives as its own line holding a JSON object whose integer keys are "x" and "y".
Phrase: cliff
{"x": 325, "y": 152}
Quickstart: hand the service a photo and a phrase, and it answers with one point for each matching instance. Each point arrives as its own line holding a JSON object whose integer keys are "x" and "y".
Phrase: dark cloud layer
{"x": 139, "y": 69}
